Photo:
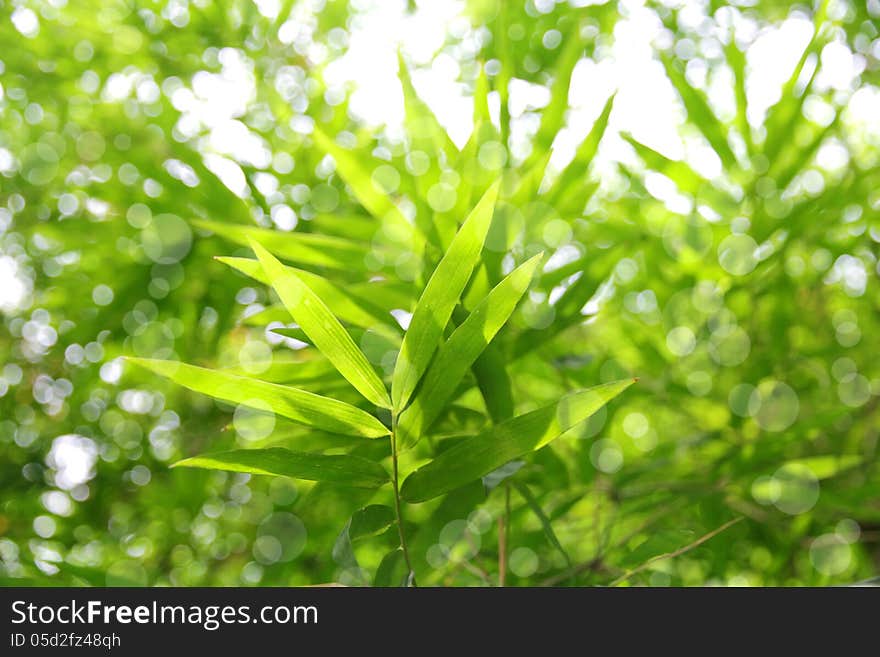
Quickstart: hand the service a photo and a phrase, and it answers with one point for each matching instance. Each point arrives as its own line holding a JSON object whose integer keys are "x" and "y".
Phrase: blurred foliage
{"x": 738, "y": 282}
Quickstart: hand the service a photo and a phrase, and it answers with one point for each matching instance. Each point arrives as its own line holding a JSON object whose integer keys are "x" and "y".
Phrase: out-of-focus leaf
{"x": 736, "y": 59}
{"x": 490, "y": 370}
{"x": 573, "y": 176}
{"x": 422, "y": 124}
{"x": 378, "y": 204}
{"x": 435, "y": 306}
{"x": 295, "y": 404}
{"x": 340, "y": 469}
{"x": 324, "y": 330}
{"x": 825, "y": 467}
{"x": 302, "y": 248}
{"x": 477, "y": 455}
{"x": 459, "y": 352}
{"x": 547, "y": 526}
{"x": 553, "y": 115}
{"x": 782, "y": 117}
{"x": 699, "y": 112}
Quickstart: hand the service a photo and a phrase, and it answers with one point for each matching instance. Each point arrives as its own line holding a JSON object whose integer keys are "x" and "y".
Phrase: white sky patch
{"x": 14, "y": 288}
{"x": 770, "y": 61}
{"x": 370, "y": 64}
{"x": 73, "y": 458}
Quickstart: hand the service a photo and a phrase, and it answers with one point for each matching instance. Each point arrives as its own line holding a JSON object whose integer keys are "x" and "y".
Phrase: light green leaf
{"x": 302, "y": 248}
{"x": 473, "y": 457}
{"x": 785, "y": 115}
{"x": 437, "y": 302}
{"x": 554, "y": 114}
{"x": 700, "y": 114}
{"x": 324, "y": 330}
{"x": 736, "y": 59}
{"x": 460, "y": 351}
{"x": 341, "y": 469}
{"x": 825, "y": 467}
{"x": 295, "y": 404}
{"x": 422, "y": 124}
{"x": 359, "y": 179}
{"x": 571, "y": 180}
{"x": 347, "y": 306}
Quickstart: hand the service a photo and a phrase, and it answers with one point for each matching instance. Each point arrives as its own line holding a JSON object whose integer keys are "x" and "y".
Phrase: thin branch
{"x": 678, "y": 552}
{"x": 503, "y": 524}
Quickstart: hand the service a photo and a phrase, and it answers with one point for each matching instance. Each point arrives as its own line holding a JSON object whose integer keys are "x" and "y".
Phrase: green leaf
{"x": 526, "y": 494}
{"x": 481, "y": 98}
{"x": 364, "y": 522}
{"x": 736, "y": 59}
{"x": 785, "y": 115}
{"x": 359, "y": 179}
{"x": 571, "y": 180}
{"x": 370, "y": 520}
{"x": 340, "y": 469}
{"x": 473, "y": 457}
{"x": 460, "y": 351}
{"x": 295, "y": 404}
{"x": 437, "y": 302}
{"x": 392, "y": 570}
{"x": 324, "y": 330}
{"x": 700, "y": 114}
{"x": 422, "y": 124}
{"x": 825, "y": 467}
{"x": 302, "y": 248}
{"x": 343, "y": 303}
{"x": 553, "y": 115}
{"x": 490, "y": 370}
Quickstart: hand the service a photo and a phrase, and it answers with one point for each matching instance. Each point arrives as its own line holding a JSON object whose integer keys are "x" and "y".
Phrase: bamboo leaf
{"x": 422, "y": 124}
{"x": 302, "y": 248}
{"x": 364, "y": 522}
{"x": 343, "y": 303}
{"x": 473, "y": 457}
{"x": 359, "y": 179}
{"x": 457, "y": 355}
{"x": 736, "y": 59}
{"x": 554, "y": 114}
{"x": 573, "y": 176}
{"x": 437, "y": 302}
{"x": 700, "y": 114}
{"x": 490, "y": 370}
{"x": 324, "y": 330}
{"x": 782, "y": 117}
{"x": 295, "y": 404}
{"x": 340, "y": 469}
{"x": 392, "y": 570}
{"x": 526, "y": 494}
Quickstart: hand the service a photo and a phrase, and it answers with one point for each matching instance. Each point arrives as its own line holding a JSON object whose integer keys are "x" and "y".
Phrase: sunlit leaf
{"x": 302, "y": 248}
{"x": 438, "y": 300}
{"x": 478, "y": 455}
{"x": 324, "y": 330}
{"x": 295, "y": 404}
{"x": 340, "y": 469}
{"x": 459, "y": 352}
{"x": 342, "y": 301}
